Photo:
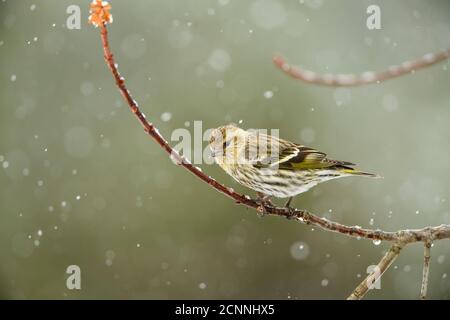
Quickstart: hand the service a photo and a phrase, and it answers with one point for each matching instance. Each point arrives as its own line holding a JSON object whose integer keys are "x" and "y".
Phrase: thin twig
{"x": 348, "y": 80}
{"x": 377, "y": 272}
{"x": 400, "y": 238}
{"x": 426, "y": 269}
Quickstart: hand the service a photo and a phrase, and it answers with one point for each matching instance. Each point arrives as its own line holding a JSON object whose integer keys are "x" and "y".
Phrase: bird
{"x": 274, "y": 167}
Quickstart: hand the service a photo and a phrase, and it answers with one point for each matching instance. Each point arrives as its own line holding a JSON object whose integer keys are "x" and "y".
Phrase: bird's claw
{"x": 263, "y": 203}
{"x": 290, "y": 213}
{"x": 262, "y": 211}
{"x": 262, "y": 207}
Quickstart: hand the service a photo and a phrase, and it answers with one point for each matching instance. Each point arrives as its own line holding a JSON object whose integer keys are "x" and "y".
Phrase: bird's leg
{"x": 288, "y": 203}
{"x": 289, "y": 208}
{"x": 264, "y": 200}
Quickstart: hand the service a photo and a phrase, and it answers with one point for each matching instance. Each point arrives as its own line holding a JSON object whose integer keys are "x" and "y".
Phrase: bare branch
{"x": 100, "y": 16}
{"x": 426, "y": 269}
{"x": 377, "y": 272}
{"x": 349, "y": 80}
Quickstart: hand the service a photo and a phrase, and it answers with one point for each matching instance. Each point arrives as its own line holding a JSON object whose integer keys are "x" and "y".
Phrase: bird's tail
{"x": 355, "y": 172}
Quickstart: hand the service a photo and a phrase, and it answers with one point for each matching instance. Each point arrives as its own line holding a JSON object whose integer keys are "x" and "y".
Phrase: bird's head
{"x": 227, "y": 144}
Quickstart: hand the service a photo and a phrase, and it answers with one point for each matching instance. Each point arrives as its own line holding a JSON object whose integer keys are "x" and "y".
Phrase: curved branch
{"x": 349, "y": 80}
{"x": 400, "y": 238}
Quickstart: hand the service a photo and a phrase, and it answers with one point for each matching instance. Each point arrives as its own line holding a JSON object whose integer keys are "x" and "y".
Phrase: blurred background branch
{"x": 368, "y": 77}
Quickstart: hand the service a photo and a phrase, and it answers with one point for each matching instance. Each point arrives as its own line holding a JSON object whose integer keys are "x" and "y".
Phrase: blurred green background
{"x": 81, "y": 183}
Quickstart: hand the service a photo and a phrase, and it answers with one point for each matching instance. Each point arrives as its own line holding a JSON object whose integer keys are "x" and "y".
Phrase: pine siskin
{"x": 272, "y": 166}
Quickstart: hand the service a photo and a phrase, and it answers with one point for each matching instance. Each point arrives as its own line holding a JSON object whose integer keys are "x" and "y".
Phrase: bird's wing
{"x": 291, "y": 156}
{"x": 308, "y": 158}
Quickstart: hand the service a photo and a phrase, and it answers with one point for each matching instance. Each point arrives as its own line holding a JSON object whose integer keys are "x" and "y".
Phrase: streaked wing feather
{"x": 308, "y": 158}
{"x": 293, "y": 156}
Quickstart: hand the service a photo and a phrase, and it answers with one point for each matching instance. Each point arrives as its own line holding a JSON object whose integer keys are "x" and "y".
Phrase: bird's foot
{"x": 264, "y": 202}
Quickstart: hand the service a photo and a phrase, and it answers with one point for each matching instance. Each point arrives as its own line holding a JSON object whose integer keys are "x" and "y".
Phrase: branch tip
{"x": 100, "y": 14}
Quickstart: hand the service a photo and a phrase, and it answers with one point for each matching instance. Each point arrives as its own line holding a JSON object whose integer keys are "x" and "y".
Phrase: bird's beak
{"x": 213, "y": 154}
